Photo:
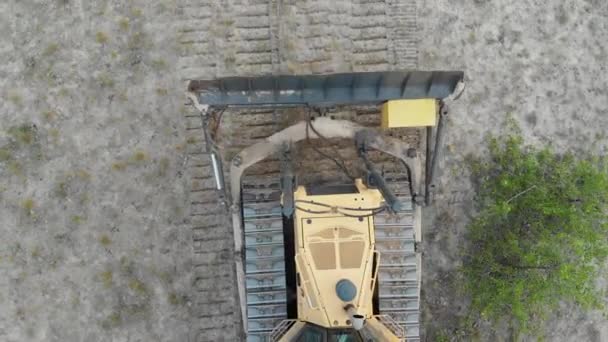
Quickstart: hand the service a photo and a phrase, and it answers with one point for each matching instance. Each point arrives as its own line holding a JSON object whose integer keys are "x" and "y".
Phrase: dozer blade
{"x": 326, "y": 90}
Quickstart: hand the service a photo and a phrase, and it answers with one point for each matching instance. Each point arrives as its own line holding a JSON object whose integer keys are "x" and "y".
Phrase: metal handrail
{"x": 307, "y": 291}
{"x": 281, "y": 329}
{"x": 375, "y": 276}
{"x": 392, "y": 325}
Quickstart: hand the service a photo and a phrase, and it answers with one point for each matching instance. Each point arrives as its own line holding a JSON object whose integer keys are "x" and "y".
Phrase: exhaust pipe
{"x": 356, "y": 320}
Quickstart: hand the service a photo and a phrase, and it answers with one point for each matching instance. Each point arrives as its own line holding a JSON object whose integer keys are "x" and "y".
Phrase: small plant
{"x": 119, "y": 166}
{"x": 123, "y": 23}
{"x": 83, "y": 174}
{"x": 230, "y": 60}
{"x": 112, "y": 321}
{"x": 472, "y": 38}
{"x": 5, "y": 154}
{"x": 105, "y": 80}
{"x": 20, "y": 313}
{"x": 54, "y": 134}
{"x": 15, "y": 98}
{"x": 106, "y": 278}
{"x": 61, "y": 190}
{"x": 123, "y": 97}
{"x": 127, "y": 266}
{"x": 541, "y": 233}
{"x": 105, "y": 241}
{"x": 136, "y": 12}
{"x": 24, "y": 134}
{"x": 101, "y": 37}
{"x": 49, "y": 115}
{"x": 51, "y": 49}
{"x": 15, "y": 168}
{"x": 139, "y": 156}
{"x": 163, "y": 166}
{"x": 28, "y": 206}
{"x": 75, "y": 301}
{"x": 136, "y": 41}
{"x": 175, "y": 299}
{"x": 63, "y": 92}
{"x": 138, "y": 287}
{"x": 159, "y": 64}
{"x": 36, "y": 252}
{"x": 77, "y": 219}
{"x": 442, "y": 337}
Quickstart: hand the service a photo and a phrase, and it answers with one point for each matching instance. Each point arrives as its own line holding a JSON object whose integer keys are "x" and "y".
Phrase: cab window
{"x": 342, "y": 336}
{"x": 311, "y": 334}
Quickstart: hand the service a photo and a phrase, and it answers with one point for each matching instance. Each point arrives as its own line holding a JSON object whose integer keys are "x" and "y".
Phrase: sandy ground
{"x": 94, "y": 200}
{"x": 545, "y": 64}
{"x": 94, "y": 246}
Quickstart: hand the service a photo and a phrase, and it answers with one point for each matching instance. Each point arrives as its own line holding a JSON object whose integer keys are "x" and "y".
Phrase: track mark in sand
{"x": 403, "y": 33}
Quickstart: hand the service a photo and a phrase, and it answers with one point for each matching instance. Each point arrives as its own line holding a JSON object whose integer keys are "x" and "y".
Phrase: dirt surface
{"x": 543, "y": 63}
{"x": 92, "y": 193}
{"x": 97, "y": 148}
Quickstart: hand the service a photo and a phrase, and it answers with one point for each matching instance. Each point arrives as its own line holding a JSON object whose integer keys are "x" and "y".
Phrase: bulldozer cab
{"x": 336, "y": 267}
{"x": 335, "y": 254}
{"x": 305, "y": 332}
{"x": 375, "y": 329}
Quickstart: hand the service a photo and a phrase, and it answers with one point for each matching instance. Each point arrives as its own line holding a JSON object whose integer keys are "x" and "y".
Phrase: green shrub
{"x": 540, "y": 236}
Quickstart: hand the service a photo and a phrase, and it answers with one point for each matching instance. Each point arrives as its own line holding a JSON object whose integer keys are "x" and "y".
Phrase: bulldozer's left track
{"x": 265, "y": 270}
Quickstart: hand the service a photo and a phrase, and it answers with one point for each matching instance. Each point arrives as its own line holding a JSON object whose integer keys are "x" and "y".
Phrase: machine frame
{"x": 319, "y": 92}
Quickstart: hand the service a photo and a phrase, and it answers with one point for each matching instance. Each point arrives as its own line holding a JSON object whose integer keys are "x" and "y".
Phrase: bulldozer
{"x": 329, "y": 261}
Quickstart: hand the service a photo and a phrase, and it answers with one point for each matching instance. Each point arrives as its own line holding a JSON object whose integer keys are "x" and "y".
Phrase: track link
{"x": 264, "y": 255}
{"x": 399, "y": 269}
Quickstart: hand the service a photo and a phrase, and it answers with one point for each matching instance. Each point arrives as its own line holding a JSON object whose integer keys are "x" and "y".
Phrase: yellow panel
{"x": 409, "y": 113}
{"x": 332, "y": 246}
{"x": 324, "y": 255}
{"x": 351, "y": 254}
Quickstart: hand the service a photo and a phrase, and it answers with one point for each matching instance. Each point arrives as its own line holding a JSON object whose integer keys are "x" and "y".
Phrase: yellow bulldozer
{"x": 329, "y": 261}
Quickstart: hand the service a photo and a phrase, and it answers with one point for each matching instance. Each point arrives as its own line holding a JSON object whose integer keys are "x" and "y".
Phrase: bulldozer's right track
{"x": 400, "y": 262}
